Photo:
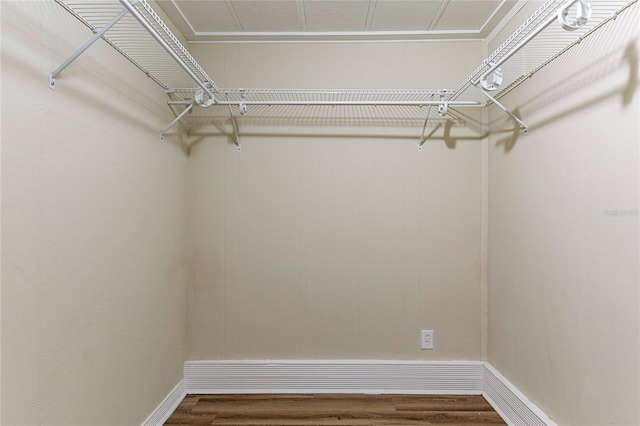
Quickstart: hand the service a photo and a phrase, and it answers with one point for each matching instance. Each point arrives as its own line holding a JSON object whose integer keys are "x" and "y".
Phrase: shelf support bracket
{"x": 80, "y": 51}
{"x": 178, "y": 118}
{"x": 424, "y": 128}
{"x": 235, "y": 127}
{"x": 502, "y": 107}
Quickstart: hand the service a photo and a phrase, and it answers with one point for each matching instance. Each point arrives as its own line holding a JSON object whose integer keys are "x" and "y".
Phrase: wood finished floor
{"x": 323, "y": 409}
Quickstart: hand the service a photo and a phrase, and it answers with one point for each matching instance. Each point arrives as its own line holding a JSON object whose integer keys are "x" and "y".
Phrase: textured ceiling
{"x": 237, "y": 20}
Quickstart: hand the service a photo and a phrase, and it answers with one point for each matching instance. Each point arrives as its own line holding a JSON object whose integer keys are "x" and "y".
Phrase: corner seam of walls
{"x": 191, "y": 257}
{"x": 484, "y": 233}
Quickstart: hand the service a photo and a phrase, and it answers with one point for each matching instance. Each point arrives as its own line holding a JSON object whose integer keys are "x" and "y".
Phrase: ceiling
{"x": 273, "y": 20}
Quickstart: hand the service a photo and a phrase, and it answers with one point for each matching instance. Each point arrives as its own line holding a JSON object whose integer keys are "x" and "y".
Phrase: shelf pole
{"x": 80, "y": 51}
{"x": 235, "y": 127}
{"x": 424, "y": 128}
{"x": 346, "y": 103}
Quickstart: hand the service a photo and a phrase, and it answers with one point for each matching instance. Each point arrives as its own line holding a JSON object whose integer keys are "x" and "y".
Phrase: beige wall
{"x": 93, "y": 231}
{"x": 312, "y": 242}
{"x": 563, "y": 289}
{"x": 337, "y": 246}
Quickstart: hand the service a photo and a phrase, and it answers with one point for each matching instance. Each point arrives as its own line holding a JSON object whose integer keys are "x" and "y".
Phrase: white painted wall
{"x": 563, "y": 290}
{"x": 336, "y": 242}
{"x": 93, "y": 230}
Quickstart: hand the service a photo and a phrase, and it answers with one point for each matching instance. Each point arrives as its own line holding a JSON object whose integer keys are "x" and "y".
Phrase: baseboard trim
{"x": 355, "y": 376}
{"x": 348, "y": 376}
{"x": 512, "y": 405}
{"x": 168, "y": 406}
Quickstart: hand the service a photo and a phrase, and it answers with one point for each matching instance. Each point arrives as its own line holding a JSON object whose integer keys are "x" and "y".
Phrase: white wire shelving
{"x": 134, "y": 29}
{"x": 538, "y": 41}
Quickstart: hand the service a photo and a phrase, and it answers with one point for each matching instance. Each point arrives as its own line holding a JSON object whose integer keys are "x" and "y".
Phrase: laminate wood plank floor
{"x": 334, "y": 409}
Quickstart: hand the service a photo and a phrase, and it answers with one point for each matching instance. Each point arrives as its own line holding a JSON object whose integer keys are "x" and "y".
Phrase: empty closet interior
{"x": 197, "y": 197}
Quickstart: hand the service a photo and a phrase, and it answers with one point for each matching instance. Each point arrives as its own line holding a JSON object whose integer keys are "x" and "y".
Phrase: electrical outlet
{"x": 427, "y": 339}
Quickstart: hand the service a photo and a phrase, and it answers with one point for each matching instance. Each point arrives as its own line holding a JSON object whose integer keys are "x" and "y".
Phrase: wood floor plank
{"x": 277, "y": 407}
{"x": 188, "y": 417}
{"x": 436, "y": 419}
{"x": 188, "y": 402}
{"x": 334, "y": 409}
{"x": 413, "y": 417}
{"x": 442, "y": 403}
{"x": 249, "y": 396}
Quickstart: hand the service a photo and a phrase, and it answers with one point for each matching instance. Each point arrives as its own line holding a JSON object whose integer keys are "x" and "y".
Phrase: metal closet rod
{"x": 254, "y": 91}
{"x": 338, "y": 103}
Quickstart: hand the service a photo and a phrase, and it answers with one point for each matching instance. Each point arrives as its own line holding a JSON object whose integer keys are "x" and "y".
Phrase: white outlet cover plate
{"x": 426, "y": 340}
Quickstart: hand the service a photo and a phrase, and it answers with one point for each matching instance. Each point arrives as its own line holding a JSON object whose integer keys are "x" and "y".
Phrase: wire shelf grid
{"x": 530, "y": 47}
{"x": 541, "y": 49}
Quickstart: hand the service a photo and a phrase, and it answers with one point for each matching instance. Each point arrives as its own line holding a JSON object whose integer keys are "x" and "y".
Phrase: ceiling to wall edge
{"x": 482, "y": 34}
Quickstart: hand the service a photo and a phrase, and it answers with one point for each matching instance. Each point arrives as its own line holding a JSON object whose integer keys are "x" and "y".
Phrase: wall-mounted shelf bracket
{"x": 81, "y": 50}
{"x": 424, "y": 128}
{"x": 502, "y": 107}
{"x": 178, "y": 118}
{"x": 235, "y": 126}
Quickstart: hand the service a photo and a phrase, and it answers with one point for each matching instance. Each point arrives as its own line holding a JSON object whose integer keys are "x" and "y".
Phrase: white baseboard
{"x": 509, "y": 402}
{"x": 168, "y": 406}
{"x": 335, "y": 376}
{"x": 357, "y": 376}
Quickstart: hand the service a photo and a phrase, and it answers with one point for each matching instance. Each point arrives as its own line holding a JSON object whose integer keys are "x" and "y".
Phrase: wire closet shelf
{"x": 136, "y": 30}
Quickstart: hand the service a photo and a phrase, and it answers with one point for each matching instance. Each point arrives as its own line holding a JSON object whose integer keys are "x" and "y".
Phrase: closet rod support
{"x": 502, "y": 107}
{"x": 81, "y": 50}
{"x": 147, "y": 26}
{"x": 178, "y": 118}
{"x": 424, "y": 128}
{"x": 235, "y": 128}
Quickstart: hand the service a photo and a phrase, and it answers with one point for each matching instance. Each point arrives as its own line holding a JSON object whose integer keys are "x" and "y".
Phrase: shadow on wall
{"x": 596, "y": 71}
{"x": 204, "y": 133}
{"x": 509, "y": 141}
{"x": 631, "y": 55}
{"x": 449, "y": 140}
